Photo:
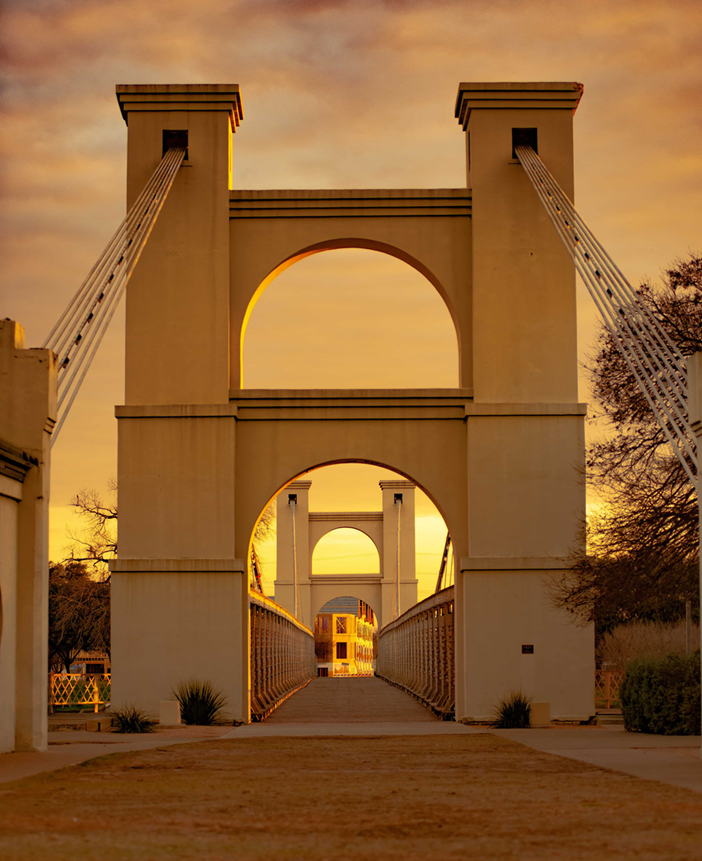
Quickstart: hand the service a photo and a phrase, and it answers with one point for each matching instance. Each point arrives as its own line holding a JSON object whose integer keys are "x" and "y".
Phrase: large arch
{"x": 337, "y": 519}
{"x": 347, "y": 243}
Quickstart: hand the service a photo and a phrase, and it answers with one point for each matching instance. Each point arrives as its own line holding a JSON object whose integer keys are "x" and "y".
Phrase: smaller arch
{"x": 337, "y": 244}
{"x": 358, "y": 638}
{"x": 338, "y": 528}
{"x": 323, "y": 607}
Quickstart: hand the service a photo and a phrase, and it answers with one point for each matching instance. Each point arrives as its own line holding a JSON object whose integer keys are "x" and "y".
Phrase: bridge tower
{"x": 391, "y": 530}
{"x": 200, "y": 457}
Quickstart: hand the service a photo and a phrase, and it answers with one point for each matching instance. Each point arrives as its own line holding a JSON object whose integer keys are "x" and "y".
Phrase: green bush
{"x": 131, "y": 719}
{"x": 514, "y": 712}
{"x": 662, "y": 695}
{"x": 200, "y": 702}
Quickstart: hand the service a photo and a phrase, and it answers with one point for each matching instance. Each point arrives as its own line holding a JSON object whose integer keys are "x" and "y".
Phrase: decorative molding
{"x": 563, "y": 95}
{"x": 352, "y": 516}
{"x": 177, "y": 566}
{"x": 513, "y": 563}
{"x": 15, "y": 463}
{"x": 352, "y": 203}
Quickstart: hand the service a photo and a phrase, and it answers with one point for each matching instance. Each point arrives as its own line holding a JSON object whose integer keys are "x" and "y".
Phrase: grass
{"x": 393, "y": 798}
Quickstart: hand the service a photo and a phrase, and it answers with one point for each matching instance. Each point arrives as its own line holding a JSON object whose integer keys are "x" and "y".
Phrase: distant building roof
{"x": 345, "y": 604}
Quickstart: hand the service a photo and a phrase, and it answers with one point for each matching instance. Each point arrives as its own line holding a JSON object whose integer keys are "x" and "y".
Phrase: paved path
{"x": 70, "y": 751}
{"x": 673, "y": 759}
{"x": 350, "y": 700}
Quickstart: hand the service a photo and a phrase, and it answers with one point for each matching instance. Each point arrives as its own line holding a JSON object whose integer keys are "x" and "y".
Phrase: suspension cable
{"x": 653, "y": 359}
{"x": 79, "y": 331}
{"x": 292, "y": 502}
{"x": 398, "y": 503}
{"x": 444, "y": 561}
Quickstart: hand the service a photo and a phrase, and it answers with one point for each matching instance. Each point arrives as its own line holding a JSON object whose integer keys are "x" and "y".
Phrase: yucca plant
{"x": 513, "y": 712}
{"x": 200, "y": 702}
{"x": 131, "y": 719}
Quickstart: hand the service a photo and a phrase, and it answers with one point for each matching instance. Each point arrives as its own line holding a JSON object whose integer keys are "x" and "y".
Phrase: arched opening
{"x": 345, "y": 551}
{"x": 345, "y": 638}
{"x": 352, "y": 488}
{"x": 349, "y": 318}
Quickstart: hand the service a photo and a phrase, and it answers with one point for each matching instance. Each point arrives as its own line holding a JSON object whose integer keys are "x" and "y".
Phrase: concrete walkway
{"x": 71, "y": 751}
{"x": 672, "y": 759}
{"x": 350, "y": 700}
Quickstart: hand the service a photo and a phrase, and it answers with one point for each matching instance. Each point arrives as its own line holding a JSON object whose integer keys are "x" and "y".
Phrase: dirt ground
{"x": 366, "y": 798}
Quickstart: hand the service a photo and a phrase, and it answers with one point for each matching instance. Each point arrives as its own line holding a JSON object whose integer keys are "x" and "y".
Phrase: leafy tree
{"x": 642, "y": 561}
{"x": 79, "y": 613}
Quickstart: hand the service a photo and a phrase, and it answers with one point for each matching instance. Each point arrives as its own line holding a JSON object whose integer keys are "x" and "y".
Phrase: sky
{"x": 336, "y": 94}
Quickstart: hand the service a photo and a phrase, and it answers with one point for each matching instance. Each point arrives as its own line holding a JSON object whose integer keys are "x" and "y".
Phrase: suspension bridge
{"x": 201, "y": 457}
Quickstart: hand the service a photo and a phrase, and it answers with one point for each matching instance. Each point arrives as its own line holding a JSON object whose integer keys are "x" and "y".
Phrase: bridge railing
{"x": 416, "y": 652}
{"x": 282, "y": 655}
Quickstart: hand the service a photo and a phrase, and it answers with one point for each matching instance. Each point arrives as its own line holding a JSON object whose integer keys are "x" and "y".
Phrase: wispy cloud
{"x": 337, "y": 93}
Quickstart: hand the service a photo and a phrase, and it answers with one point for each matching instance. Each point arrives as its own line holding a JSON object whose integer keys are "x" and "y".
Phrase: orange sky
{"x": 336, "y": 93}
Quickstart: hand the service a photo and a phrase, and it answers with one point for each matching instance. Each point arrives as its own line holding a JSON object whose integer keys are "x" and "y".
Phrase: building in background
{"x": 345, "y": 638}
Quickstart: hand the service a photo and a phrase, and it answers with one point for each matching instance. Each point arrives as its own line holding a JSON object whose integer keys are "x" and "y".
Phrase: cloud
{"x": 337, "y": 93}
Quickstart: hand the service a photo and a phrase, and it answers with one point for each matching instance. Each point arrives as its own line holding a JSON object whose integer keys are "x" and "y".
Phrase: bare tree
{"x": 264, "y": 527}
{"x": 642, "y": 561}
{"x": 97, "y": 544}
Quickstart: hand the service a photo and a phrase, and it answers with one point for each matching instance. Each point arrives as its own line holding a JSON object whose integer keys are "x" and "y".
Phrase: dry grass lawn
{"x": 405, "y": 798}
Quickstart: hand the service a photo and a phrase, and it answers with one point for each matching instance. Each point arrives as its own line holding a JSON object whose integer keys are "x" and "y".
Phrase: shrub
{"x": 131, "y": 719}
{"x": 200, "y": 702}
{"x": 662, "y": 695}
{"x": 514, "y": 712}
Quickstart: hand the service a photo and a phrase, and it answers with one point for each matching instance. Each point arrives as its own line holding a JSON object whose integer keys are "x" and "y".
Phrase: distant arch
{"x": 345, "y": 594}
{"x": 319, "y": 541}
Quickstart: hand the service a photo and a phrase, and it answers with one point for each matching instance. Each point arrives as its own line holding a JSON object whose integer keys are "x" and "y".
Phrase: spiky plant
{"x": 200, "y": 702}
{"x": 513, "y": 712}
{"x": 131, "y": 719}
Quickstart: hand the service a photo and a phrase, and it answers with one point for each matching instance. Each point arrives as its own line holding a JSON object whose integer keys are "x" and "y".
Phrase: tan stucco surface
{"x": 200, "y": 458}
{"x": 28, "y": 399}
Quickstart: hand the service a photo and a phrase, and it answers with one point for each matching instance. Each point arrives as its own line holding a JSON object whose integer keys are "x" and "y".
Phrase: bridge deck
{"x": 350, "y": 700}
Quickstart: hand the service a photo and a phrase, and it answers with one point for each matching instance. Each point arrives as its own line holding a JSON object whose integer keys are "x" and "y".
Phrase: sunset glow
{"x": 337, "y": 95}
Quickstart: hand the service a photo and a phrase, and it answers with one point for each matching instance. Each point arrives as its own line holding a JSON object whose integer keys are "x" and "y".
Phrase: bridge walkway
{"x": 350, "y": 700}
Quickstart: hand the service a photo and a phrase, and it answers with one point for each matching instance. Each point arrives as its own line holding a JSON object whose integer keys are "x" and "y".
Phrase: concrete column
{"x": 392, "y": 490}
{"x": 178, "y": 297}
{"x": 179, "y": 589}
{"x": 525, "y": 446}
{"x": 10, "y": 497}
{"x": 27, "y": 417}
{"x": 524, "y": 335}
{"x": 285, "y": 574}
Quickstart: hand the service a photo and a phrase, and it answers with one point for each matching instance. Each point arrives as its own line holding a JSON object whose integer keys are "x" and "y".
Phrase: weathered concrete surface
{"x": 200, "y": 457}
{"x": 671, "y": 759}
{"x": 352, "y": 700}
{"x": 15, "y": 766}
